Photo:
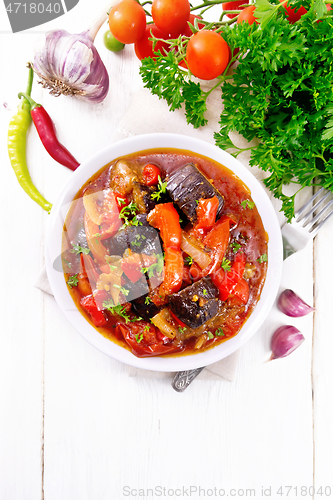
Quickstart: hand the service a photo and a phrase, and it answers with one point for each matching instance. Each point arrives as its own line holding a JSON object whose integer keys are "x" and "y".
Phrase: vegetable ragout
{"x": 164, "y": 252}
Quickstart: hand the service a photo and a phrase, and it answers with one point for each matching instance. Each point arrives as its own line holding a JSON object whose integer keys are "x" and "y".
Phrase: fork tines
{"x": 309, "y": 219}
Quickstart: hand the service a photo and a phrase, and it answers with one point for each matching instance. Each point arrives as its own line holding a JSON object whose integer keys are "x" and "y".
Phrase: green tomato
{"x": 111, "y": 43}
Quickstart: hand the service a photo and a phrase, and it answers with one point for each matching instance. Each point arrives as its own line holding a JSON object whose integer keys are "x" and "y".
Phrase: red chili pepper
{"x": 47, "y": 133}
{"x": 88, "y": 303}
{"x": 150, "y": 174}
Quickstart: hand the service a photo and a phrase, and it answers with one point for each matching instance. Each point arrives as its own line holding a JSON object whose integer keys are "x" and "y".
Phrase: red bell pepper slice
{"x": 131, "y": 266}
{"x": 242, "y": 291}
{"x": 173, "y": 271}
{"x": 206, "y": 216}
{"x": 166, "y": 218}
{"x": 227, "y": 281}
{"x": 89, "y": 304}
{"x": 146, "y": 343}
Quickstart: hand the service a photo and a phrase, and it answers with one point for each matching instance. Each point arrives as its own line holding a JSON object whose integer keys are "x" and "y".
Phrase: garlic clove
{"x": 292, "y": 305}
{"x": 285, "y": 340}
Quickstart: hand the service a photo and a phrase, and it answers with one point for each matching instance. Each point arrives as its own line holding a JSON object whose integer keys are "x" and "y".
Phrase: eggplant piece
{"x": 197, "y": 303}
{"x": 136, "y": 290}
{"x": 187, "y": 185}
{"x": 146, "y": 311}
{"x": 140, "y": 239}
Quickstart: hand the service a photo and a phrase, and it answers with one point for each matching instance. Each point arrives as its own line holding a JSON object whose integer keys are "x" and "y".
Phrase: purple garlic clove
{"x": 285, "y": 340}
{"x": 292, "y": 305}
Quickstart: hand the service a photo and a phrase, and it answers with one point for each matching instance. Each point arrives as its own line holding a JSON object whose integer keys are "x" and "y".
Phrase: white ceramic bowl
{"x": 53, "y": 251}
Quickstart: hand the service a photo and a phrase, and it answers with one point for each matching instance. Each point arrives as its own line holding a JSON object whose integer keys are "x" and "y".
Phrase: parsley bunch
{"x": 280, "y": 92}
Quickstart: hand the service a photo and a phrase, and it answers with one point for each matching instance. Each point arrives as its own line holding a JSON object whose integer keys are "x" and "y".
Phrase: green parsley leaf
{"x": 147, "y": 300}
{"x": 139, "y": 337}
{"x": 77, "y": 249}
{"x": 210, "y": 335}
{"x": 219, "y": 332}
{"x": 147, "y": 328}
{"x": 118, "y": 309}
{"x": 204, "y": 291}
{"x": 226, "y": 264}
{"x": 182, "y": 329}
{"x": 72, "y": 281}
{"x": 235, "y": 246}
{"x": 123, "y": 290}
{"x": 188, "y": 260}
{"x": 67, "y": 263}
{"x": 247, "y": 204}
{"x": 161, "y": 189}
{"x": 262, "y": 258}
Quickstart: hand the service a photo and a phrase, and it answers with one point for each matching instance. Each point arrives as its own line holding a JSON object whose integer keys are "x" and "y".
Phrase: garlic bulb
{"x": 70, "y": 64}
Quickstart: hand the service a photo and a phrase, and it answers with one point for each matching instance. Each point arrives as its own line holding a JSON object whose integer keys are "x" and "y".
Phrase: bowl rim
{"x": 155, "y": 141}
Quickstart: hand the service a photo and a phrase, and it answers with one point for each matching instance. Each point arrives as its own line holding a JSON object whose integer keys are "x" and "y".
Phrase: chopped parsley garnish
{"x": 210, "y": 335}
{"x": 136, "y": 241}
{"x": 121, "y": 201}
{"x": 154, "y": 268}
{"x": 147, "y": 300}
{"x": 219, "y": 332}
{"x": 119, "y": 309}
{"x": 235, "y": 246}
{"x": 72, "y": 281}
{"x": 262, "y": 258}
{"x": 128, "y": 211}
{"x": 136, "y": 319}
{"x": 189, "y": 260}
{"x": 182, "y": 329}
{"x": 226, "y": 264}
{"x": 77, "y": 250}
{"x": 204, "y": 291}
{"x": 147, "y": 328}
{"x": 138, "y": 337}
{"x": 161, "y": 189}
{"x": 123, "y": 290}
{"x": 247, "y": 204}
{"x": 67, "y": 263}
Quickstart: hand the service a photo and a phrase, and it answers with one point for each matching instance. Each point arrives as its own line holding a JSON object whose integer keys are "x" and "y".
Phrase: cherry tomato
{"x": 150, "y": 174}
{"x": 144, "y": 47}
{"x": 187, "y": 30}
{"x": 236, "y": 5}
{"x": 207, "y": 54}
{"x": 171, "y": 16}
{"x": 127, "y": 21}
{"x": 294, "y": 15}
{"x": 111, "y": 43}
{"x": 247, "y": 15}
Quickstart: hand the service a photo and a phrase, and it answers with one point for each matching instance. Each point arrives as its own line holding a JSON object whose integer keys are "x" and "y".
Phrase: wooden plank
{"x": 322, "y": 375}
{"x": 21, "y": 306}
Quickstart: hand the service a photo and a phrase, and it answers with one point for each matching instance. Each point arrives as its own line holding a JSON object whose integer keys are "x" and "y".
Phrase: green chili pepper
{"x": 17, "y": 134}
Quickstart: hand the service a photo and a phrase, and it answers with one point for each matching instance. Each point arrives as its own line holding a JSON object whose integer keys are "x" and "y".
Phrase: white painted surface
{"x": 73, "y": 424}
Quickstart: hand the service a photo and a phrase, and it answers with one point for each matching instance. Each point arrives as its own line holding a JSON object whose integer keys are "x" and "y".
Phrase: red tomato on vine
{"x": 127, "y": 21}
{"x": 144, "y": 47}
{"x": 171, "y": 16}
{"x": 235, "y": 5}
{"x": 294, "y": 15}
{"x": 247, "y": 15}
{"x": 207, "y": 54}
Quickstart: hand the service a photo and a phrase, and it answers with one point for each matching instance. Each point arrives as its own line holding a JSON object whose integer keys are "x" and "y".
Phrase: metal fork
{"x": 308, "y": 220}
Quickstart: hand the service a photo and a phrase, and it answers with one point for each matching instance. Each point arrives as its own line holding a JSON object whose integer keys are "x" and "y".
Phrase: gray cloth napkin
{"x": 147, "y": 114}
